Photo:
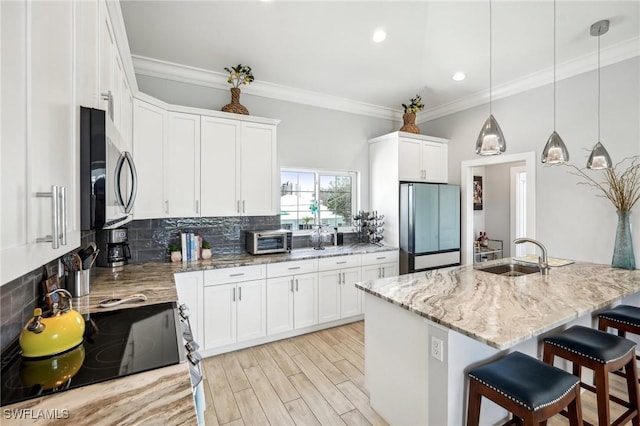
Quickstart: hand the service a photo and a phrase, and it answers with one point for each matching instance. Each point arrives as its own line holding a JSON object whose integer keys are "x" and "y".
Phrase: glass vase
{"x": 623, "y": 256}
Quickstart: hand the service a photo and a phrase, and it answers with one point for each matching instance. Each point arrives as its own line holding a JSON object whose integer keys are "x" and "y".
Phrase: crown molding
{"x": 613, "y": 54}
{"x": 201, "y": 77}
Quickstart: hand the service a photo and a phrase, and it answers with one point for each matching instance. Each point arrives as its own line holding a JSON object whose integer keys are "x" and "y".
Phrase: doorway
{"x": 527, "y": 197}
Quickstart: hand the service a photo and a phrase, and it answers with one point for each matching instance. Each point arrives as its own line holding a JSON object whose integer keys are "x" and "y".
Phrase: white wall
{"x": 308, "y": 137}
{"x": 572, "y": 221}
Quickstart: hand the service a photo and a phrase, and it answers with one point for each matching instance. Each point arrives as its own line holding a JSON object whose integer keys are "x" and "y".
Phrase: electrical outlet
{"x": 437, "y": 348}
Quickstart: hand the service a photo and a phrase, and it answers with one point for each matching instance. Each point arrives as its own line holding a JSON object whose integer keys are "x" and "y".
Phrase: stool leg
{"x": 473, "y": 410}
{"x": 631, "y": 370}
{"x": 602, "y": 393}
{"x": 575, "y": 409}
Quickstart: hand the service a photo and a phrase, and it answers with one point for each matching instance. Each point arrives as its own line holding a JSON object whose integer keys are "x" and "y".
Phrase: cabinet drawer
{"x": 338, "y": 262}
{"x": 234, "y": 275}
{"x": 281, "y": 269}
{"x": 379, "y": 257}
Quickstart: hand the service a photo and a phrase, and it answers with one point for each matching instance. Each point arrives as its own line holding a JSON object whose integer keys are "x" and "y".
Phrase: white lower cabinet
{"x": 379, "y": 265}
{"x": 292, "y": 296}
{"x": 338, "y": 296}
{"x": 234, "y": 305}
{"x": 189, "y": 286}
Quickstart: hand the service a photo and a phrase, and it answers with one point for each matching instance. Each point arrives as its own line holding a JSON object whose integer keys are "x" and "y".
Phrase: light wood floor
{"x": 314, "y": 379}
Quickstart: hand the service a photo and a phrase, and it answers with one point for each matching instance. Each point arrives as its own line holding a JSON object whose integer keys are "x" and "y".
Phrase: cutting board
{"x": 552, "y": 261}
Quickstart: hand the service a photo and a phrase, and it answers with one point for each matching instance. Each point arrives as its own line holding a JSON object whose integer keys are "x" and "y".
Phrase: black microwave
{"x": 108, "y": 179}
{"x": 264, "y": 242}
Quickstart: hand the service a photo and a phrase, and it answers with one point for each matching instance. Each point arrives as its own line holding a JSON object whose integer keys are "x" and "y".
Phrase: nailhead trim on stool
{"x": 603, "y": 353}
{"x": 524, "y": 386}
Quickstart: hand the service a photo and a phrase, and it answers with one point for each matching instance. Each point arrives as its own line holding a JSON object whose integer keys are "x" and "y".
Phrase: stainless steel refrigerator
{"x": 429, "y": 226}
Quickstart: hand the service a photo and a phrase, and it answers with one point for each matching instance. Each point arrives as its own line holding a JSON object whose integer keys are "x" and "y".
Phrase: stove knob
{"x": 194, "y": 358}
{"x": 184, "y": 311}
{"x": 192, "y": 346}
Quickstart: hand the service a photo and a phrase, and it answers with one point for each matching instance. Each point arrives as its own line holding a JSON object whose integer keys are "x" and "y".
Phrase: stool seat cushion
{"x": 625, "y": 314}
{"x": 526, "y": 380}
{"x": 593, "y": 344}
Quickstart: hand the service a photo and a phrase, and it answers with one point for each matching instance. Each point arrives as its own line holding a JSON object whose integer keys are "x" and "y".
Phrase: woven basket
{"x": 235, "y": 107}
{"x": 409, "y": 125}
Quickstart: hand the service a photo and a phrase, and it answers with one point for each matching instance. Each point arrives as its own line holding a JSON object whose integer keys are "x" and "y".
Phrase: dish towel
{"x": 552, "y": 261}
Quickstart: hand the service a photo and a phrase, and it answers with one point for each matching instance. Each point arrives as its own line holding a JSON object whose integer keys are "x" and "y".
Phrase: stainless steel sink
{"x": 511, "y": 269}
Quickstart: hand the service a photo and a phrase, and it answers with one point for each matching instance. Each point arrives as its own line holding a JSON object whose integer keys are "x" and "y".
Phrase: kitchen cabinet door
{"x": 251, "y": 310}
{"x": 350, "y": 296}
{"x": 182, "y": 177}
{"x": 434, "y": 162}
{"x": 329, "y": 284}
{"x": 409, "y": 160}
{"x": 189, "y": 286}
{"x": 258, "y": 171}
{"x": 280, "y": 292}
{"x": 305, "y": 300}
{"x": 107, "y": 54}
{"x": 149, "y": 126}
{"x": 219, "y": 315}
{"x": 220, "y": 190}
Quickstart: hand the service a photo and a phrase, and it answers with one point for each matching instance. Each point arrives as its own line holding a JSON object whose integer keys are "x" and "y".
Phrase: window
{"x": 309, "y": 198}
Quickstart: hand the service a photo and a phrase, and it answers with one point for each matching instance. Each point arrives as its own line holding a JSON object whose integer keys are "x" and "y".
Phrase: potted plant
{"x": 305, "y": 221}
{"x": 240, "y": 74}
{"x": 409, "y": 117}
{"x": 206, "y": 250}
{"x": 176, "y": 252}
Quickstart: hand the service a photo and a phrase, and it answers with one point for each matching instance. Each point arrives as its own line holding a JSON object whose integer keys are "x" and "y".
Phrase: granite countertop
{"x": 136, "y": 398}
{"x": 503, "y": 311}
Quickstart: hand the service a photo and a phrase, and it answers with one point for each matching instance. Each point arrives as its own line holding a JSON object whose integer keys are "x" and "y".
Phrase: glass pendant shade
{"x": 599, "y": 158}
{"x": 490, "y": 140}
{"x": 555, "y": 151}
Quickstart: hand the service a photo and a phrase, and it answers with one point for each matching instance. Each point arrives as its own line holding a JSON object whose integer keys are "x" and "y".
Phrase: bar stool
{"x": 530, "y": 389}
{"x": 623, "y": 318}
{"x": 603, "y": 353}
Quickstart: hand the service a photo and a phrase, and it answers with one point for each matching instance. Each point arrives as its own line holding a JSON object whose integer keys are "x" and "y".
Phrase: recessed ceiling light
{"x": 379, "y": 36}
{"x": 459, "y": 76}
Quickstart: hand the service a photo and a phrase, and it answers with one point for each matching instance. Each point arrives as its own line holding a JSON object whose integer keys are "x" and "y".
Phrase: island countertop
{"x": 503, "y": 311}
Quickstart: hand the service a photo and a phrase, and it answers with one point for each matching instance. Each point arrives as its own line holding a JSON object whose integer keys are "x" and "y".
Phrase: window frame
{"x": 355, "y": 191}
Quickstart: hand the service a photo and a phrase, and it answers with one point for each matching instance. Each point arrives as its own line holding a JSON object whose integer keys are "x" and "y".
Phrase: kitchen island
{"x": 423, "y": 331}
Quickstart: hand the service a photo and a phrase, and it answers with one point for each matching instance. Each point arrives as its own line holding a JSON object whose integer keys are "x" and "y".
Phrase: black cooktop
{"x": 116, "y": 344}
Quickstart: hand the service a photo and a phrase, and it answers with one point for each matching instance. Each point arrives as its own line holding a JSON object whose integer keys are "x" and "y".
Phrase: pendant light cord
{"x": 599, "y": 85}
{"x": 490, "y": 56}
{"x": 554, "y": 65}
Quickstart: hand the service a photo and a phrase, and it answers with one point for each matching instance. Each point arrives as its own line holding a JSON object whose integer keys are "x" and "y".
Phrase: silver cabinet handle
{"x": 234, "y": 295}
{"x": 379, "y": 272}
{"x": 344, "y": 280}
{"x": 197, "y": 206}
{"x": 339, "y": 278}
{"x": 166, "y": 207}
{"x": 237, "y": 275}
{"x": 242, "y": 206}
{"x": 109, "y": 98}
{"x": 293, "y": 268}
{"x": 381, "y": 257}
{"x": 54, "y": 238}
{"x": 291, "y": 285}
{"x": 63, "y": 215}
{"x": 239, "y": 293}
{"x": 341, "y": 263}
{"x": 238, "y": 206}
{"x": 296, "y": 284}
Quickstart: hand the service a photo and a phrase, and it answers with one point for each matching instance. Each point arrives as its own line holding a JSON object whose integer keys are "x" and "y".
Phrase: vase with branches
{"x": 240, "y": 74}
{"x": 620, "y": 184}
{"x": 409, "y": 118}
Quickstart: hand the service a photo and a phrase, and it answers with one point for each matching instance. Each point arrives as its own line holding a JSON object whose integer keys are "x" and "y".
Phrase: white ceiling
{"x": 325, "y": 47}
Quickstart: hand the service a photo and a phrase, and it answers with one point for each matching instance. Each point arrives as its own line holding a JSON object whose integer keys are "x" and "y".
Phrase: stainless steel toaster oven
{"x": 263, "y": 242}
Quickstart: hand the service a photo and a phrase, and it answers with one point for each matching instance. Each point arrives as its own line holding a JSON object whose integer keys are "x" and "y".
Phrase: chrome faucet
{"x": 542, "y": 260}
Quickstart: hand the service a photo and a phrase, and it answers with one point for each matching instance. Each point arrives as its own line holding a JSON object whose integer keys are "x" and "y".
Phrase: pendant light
{"x": 599, "y": 158}
{"x": 555, "y": 151}
{"x": 490, "y": 140}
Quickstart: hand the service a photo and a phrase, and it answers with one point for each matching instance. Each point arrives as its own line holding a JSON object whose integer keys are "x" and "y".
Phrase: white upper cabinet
{"x": 219, "y": 167}
{"x": 238, "y": 168}
{"x": 39, "y": 135}
{"x": 182, "y": 165}
{"x": 149, "y": 129}
{"x": 422, "y": 160}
